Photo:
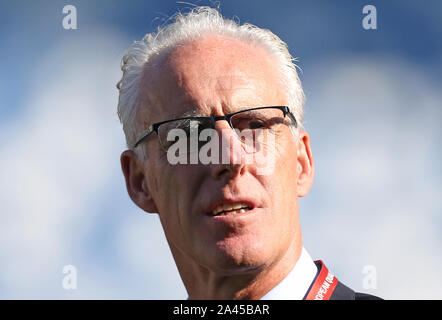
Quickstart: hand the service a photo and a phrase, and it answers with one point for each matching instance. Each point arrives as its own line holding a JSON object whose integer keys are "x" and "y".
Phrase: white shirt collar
{"x": 295, "y": 285}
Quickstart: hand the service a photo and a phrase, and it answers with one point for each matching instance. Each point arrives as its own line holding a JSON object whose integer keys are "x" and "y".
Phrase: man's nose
{"x": 231, "y": 151}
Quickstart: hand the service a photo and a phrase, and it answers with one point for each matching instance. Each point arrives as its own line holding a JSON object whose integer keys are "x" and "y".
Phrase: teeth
{"x": 230, "y": 208}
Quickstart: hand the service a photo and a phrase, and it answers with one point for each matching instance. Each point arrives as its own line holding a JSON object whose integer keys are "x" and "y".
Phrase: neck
{"x": 202, "y": 283}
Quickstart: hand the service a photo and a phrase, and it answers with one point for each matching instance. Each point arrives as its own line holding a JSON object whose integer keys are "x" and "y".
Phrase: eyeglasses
{"x": 269, "y": 118}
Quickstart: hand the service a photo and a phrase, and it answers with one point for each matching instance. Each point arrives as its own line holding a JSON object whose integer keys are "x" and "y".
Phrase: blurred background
{"x": 373, "y": 111}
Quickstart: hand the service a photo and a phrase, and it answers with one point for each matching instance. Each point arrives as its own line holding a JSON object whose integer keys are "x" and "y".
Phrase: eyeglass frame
{"x": 154, "y": 127}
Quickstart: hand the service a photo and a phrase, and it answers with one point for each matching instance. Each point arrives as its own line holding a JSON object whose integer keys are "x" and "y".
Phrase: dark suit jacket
{"x": 342, "y": 292}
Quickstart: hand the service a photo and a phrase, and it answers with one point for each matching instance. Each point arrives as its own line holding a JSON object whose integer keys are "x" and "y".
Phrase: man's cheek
{"x": 175, "y": 185}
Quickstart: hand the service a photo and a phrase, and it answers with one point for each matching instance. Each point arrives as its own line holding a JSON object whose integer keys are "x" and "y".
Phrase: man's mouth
{"x": 228, "y": 209}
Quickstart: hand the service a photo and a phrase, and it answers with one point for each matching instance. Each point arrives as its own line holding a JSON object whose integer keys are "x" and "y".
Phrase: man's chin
{"x": 234, "y": 255}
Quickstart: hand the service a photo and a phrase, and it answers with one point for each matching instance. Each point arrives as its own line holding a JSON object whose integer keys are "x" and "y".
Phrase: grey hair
{"x": 190, "y": 26}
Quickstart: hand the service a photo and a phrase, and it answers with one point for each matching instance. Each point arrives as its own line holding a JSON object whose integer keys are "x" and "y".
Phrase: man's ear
{"x": 305, "y": 166}
{"x": 136, "y": 182}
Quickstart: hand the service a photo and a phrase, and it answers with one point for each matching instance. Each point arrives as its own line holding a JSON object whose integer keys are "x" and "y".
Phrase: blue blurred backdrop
{"x": 373, "y": 111}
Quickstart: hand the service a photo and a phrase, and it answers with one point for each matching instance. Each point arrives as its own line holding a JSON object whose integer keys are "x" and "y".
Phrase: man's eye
{"x": 251, "y": 124}
{"x": 256, "y": 124}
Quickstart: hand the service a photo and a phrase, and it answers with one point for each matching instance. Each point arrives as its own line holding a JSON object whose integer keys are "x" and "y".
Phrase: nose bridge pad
{"x": 229, "y": 121}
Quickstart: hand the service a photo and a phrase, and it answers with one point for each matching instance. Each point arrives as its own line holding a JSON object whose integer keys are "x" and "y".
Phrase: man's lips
{"x": 230, "y": 207}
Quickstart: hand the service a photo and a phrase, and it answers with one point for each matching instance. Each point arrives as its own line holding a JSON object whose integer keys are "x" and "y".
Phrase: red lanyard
{"x": 323, "y": 286}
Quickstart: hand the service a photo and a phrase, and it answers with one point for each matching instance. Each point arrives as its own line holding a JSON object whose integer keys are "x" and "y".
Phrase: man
{"x": 231, "y": 218}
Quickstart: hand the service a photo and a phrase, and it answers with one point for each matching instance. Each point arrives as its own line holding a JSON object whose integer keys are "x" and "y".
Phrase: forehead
{"x": 212, "y": 75}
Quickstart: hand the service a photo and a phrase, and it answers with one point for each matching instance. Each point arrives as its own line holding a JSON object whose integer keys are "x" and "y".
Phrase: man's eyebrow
{"x": 191, "y": 113}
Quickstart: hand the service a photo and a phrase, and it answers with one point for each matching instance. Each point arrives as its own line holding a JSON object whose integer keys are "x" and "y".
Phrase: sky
{"x": 373, "y": 111}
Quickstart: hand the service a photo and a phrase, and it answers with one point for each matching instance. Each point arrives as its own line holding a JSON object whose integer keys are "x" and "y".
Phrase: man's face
{"x": 215, "y": 76}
